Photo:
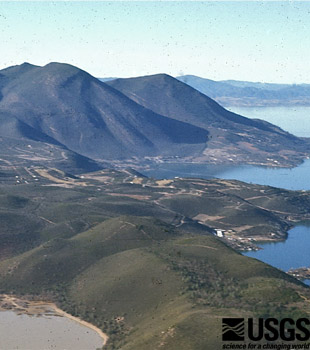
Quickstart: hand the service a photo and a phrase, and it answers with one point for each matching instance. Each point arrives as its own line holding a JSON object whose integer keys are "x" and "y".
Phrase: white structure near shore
{"x": 219, "y": 233}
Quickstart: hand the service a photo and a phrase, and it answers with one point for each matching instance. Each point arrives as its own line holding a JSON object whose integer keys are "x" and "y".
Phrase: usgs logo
{"x": 269, "y": 329}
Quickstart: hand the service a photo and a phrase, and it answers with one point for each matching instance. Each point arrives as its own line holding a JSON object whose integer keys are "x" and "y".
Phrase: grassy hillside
{"x": 159, "y": 291}
{"x": 136, "y": 257}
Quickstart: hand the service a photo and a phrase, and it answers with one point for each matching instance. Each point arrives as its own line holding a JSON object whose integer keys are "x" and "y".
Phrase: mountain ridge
{"x": 245, "y": 139}
{"x": 130, "y": 120}
{"x": 250, "y": 94}
{"x": 76, "y": 109}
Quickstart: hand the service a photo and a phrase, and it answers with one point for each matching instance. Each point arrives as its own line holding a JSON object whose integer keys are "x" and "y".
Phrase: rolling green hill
{"x": 133, "y": 255}
{"x": 153, "y": 292}
{"x": 130, "y": 255}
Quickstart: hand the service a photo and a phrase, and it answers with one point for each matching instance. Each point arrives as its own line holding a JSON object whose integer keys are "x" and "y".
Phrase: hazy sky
{"x": 256, "y": 41}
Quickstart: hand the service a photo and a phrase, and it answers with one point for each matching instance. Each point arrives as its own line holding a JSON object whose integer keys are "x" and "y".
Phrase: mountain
{"x": 128, "y": 121}
{"x": 258, "y": 85}
{"x": 23, "y": 146}
{"x": 232, "y": 138}
{"x": 137, "y": 257}
{"x": 247, "y": 94}
{"x": 74, "y": 109}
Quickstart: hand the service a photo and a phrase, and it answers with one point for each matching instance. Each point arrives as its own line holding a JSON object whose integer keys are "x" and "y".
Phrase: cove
{"x": 291, "y": 253}
{"x": 22, "y": 331}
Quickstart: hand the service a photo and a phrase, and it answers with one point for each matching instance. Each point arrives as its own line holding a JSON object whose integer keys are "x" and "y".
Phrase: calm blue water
{"x": 294, "y": 252}
{"x": 295, "y": 120}
{"x": 293, "y": 179}
{"x": 291, "y": 253}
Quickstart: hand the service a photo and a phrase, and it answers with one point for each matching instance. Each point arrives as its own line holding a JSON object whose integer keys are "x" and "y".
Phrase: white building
{"x": 219, "y": 233}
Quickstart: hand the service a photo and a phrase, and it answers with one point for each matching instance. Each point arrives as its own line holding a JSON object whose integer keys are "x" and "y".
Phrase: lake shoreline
{"x": 43, "y": 308}
{"x": 60, "y": 312}
{"x": 289, "y": 178}
{"x": 282, "y": 255}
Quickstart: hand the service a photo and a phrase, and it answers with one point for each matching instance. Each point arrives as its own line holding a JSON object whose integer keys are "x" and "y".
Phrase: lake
{"x": 45, "y": 332}
{"x": 294, "y": 252}
{"x": 54, "y": 332}
{"x": 295, "y": 120}
{"x": 291, "y": 179}
{"x": 291, "y": 253}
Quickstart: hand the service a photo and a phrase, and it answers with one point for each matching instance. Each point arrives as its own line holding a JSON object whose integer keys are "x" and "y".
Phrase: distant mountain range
{"x": 249, "y": 94}
{"x": 63, "y": 116}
